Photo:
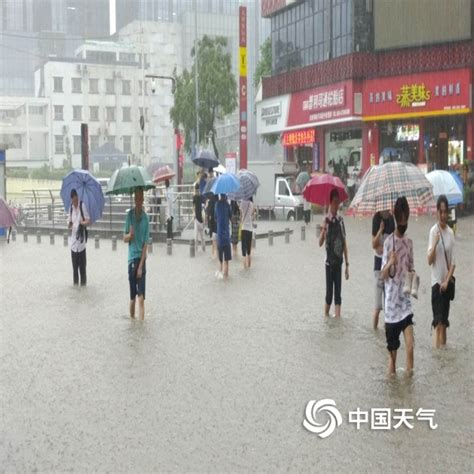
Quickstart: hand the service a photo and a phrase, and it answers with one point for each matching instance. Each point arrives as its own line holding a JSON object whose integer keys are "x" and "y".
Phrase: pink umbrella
{"x": 162, "y": 174}
{"x": 318, "y": 189}
{"x": 7, "y": 215}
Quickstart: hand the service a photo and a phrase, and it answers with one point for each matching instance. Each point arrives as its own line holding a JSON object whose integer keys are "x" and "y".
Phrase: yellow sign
{"x": 243, "y": 61}
{"x": 411, "y": 94}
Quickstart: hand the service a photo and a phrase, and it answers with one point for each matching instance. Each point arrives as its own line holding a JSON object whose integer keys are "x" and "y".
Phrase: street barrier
{"x": 38, "y": 237}
{"x": 287, "y": 235}
{"x": 270, "y": 237}
{"x": 303, "y": 232}
{"x": 97, "y": 241}
{"x": 192, "y": 248}
{"x": 51, "y": 238}
{"x": 114, "y": 242}
{"x": 169, "y": 247}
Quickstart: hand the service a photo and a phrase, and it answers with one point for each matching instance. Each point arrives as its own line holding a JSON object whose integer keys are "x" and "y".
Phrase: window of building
{"x": 126, "y": 114}
{"x": 126, "y": 88}
{"x": 127, "y": 144}
{"x": 127, "y": 57}
{"x": 94, "y": 142}
{"x": 76, "y": 85}
{"x": 146, "y": 113}
{"x": 109, "y": 86}
{"x": 58, "y": 144}
{"x": 77, "y": 112}
{"x": 110, "y": 114}
{"x": 140, "y": 88}
{"x": 58, "y": 112}
{"x": 111, "y": 139}
{"x": 142, "y": 141}
{"x": 58, "y": 84}
{"x": 36, "y": 109}
{"x": 93, "y": 86}
{"x": 94, "y": 113}
{"x": 77, "y": 145}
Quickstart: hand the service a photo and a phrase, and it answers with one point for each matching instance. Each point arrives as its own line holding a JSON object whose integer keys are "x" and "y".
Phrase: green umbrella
{"x": 126, "y": 180}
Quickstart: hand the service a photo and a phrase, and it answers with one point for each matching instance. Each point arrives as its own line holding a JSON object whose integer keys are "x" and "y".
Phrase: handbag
{"x": 451, "y": 290}
{"x": 241, "y": 223}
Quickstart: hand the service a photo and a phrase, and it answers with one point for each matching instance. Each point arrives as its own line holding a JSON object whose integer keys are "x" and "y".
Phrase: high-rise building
{"x": 33, "y": 30}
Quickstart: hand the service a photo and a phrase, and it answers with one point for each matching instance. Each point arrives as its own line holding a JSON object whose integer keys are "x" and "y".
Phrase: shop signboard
{"x": 418, "y": 95}
{"x": 322, "y": 105}
{"x": 231, "y": 162}
{"x": 299, "y": 137}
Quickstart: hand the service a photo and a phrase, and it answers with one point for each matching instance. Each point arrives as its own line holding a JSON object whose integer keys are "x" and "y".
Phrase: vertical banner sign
{"x": 84, "y": 146}
{"x": 243, "y": 85}
{"x": 3, "y": 181}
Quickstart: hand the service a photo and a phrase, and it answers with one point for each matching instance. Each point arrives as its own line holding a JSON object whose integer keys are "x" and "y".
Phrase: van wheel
{"x": 290, "y": 216}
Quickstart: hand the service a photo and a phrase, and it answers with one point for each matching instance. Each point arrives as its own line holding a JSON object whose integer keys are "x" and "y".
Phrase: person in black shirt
{"x": 382, "y": 226}
{"x": 198, "y": 222}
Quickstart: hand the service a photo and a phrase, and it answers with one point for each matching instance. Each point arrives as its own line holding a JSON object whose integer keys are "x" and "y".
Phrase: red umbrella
{"x": 318, "y": 189}
{"x": 162, "y": 174}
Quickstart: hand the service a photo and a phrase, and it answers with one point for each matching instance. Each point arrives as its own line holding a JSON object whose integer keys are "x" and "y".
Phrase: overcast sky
{"x": 112, "y": 16}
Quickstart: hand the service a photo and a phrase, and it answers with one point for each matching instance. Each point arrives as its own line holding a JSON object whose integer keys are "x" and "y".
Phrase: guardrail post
{"x": 51, "y": 238}
{"x": 169, "y": 246}
{"x": 150, "y": 245}
{"x": 66, "y": 239}
{"x": 25, "y": 235}
{"x": 114, "y": 242}
{"x": 97, "y": 241}
{"x": 303, "y": 232}
{"x": 38, "y": 236}
{"x": 270, "y": 237}
{"x": 192, "y": 248}
{"x": 287, "y": 235}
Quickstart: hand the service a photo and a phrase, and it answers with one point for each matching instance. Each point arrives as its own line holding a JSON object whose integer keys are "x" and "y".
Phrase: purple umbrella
{"x": 7, "y": 215}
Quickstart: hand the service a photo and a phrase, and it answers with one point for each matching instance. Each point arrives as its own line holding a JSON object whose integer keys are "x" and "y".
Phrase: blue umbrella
{"x": 225, "y": 184}
{"x": 88, "y": 190}
{"x": 458, "y": 179}
{"x": 445, "y": 183}
{"x": 206, "y": 159}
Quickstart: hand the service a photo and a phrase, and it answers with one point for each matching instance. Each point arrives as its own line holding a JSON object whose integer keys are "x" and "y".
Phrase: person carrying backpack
{"x": 79, "y": 219}
{"x": 334, "y": 234}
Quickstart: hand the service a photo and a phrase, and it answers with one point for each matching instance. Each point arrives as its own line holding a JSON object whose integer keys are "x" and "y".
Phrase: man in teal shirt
{"x": 137, "y": 236}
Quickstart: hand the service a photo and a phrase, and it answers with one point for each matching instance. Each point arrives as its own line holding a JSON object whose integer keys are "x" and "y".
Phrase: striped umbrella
{"x": 385, "y": 183}
{"x": 249, "y": 184}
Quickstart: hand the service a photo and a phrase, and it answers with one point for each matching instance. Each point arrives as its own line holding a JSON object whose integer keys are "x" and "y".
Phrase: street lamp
{"x": 173, "y": 88}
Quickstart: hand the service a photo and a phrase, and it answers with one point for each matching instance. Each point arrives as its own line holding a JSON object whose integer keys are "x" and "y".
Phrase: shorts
{"x": 440, "y": 304}
{"x": 246, "y": 236}
{"x": 379, "y": 291}
{"x": 137, "y": 286}
{"x": 224, "y": 253}
{"x": 393, "y": 331}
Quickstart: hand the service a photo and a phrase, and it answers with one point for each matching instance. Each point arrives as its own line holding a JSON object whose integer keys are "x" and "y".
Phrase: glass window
{"x": 94, "y": 142}
{"x": 126, "y": 88}
{"x": 58, "y": 84}
{"x": 110, "y": 114}
{"x": 77, "y": 112}
{"x": 111, "y": 139}
{"x": 93, "y": 86}
{"x": 77, "y": 145}
{"x": 76, "y": 85}
{"x": 126, "y": 114}
{"x": 308, "y": 31}
{"x": 127, "y": 144}
{"x": 109, "y": 86}
{"x": 58, "y": 112}
{"x": 94, "y": 113}
{"x": 58, "y": 144}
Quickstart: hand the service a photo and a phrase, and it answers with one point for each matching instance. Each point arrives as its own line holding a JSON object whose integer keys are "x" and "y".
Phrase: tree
{"x": 264, "y": 68}
{"x": 217, "y": 91}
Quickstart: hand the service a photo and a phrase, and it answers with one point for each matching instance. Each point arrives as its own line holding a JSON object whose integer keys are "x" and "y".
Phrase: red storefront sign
{"x": 299, "y": 137}
{"x": 418, "y": 95}
{"x": 322, "y": 105}
{"x": 269, "y": 7}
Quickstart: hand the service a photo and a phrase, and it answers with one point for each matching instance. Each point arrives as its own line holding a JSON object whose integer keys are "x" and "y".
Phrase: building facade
{"x": 25, "y": 131}
{"x": 352, "y": 87}
{"x": 102, "y": 87}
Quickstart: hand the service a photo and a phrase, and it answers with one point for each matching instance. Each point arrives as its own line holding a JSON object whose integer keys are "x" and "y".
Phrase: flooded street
{"x": 218, "y": 375}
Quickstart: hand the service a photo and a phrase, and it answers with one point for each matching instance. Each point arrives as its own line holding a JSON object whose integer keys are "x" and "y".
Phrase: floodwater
{"x": 218, "y": 375}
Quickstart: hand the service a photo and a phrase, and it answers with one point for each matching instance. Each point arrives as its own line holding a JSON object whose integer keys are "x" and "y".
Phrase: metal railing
{"x": 45, "y": 208}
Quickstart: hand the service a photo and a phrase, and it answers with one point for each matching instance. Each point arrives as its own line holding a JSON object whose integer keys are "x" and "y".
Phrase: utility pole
{"x": 196, "y": 74}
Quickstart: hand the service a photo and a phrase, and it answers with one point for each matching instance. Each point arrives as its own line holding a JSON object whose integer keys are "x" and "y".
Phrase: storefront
{"x": 425, "y": 119}
{"x": 320, "y": 128}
